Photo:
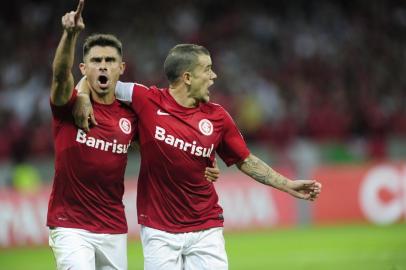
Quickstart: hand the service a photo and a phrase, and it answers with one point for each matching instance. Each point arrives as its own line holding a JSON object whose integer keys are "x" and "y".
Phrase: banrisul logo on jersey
{"x": 125, "y": 125}
{"x": 114, "y": 147}
{"x": 206, "y": 127}
{"x": 191, "y": 147}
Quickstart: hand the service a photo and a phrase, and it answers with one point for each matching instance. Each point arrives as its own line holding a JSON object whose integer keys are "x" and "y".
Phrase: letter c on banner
{"x": 378, "y": 180}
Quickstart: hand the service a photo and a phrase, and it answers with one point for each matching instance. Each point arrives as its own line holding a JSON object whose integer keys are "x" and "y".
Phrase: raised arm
{"x": 261, "y": 172}
{"x": 62, "y": 78}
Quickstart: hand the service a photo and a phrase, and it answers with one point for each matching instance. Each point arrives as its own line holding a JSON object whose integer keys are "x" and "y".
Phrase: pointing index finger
{"x": 79, "y": 9}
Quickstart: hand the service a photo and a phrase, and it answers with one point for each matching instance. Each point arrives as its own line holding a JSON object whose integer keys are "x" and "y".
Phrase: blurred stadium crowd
{"x": 323, "y": 71}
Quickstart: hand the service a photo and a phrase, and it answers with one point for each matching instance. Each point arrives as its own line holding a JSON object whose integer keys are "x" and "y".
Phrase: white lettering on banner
{"x": 118, "y": 148}
{"x": 22, "y": 219}
{"x": 42, "y": 211}
{"x": 25, "y": 218}
{"x": 160, "y": 135}
{"x": 378, "y": 180}
{"x": 129, "y": 199}
{"x": 255, "y": 205}
{"x": 6, "y": 217}
{"x": 22, "y": 222}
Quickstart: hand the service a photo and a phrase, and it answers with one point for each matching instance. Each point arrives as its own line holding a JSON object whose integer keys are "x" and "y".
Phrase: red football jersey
{"x": 88, "y": 184}
{"x": 176, "y": 145}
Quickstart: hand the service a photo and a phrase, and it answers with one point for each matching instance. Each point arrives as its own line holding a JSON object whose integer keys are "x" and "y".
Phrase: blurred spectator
{"x": 320, "y": 70}
{"x": 26, "y": 178}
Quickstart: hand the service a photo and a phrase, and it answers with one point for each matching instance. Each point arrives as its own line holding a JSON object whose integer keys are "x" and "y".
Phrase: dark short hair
{"x": 103, "y": 40}
{"x": 181, "y": 58}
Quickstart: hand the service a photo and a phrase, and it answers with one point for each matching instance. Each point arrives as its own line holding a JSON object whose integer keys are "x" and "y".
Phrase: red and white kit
{"x": 177, "y": 144}
{"x": 88, "y": 185}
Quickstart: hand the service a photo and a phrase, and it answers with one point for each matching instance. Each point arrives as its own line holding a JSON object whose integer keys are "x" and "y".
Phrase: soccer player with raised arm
{"x": 88, "y": 228}
{"x": 180, "y": 132}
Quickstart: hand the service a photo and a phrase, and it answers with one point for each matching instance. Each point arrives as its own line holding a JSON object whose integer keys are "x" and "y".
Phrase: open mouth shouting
{"x": 103, "y": 81}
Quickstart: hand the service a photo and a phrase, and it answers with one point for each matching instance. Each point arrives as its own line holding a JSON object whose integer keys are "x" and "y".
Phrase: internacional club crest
{"x": 125, "y": 125}
{"x": 206, "y": 127}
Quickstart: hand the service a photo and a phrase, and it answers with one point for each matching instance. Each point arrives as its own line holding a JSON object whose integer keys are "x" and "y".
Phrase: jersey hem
{"x": 88, "y": 229}
{"x": 185, "y": 229}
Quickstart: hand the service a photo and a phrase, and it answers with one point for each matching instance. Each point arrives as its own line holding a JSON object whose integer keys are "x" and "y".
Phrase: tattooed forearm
{"x": 255, "y": 168}
{"x": 261, "y": 172}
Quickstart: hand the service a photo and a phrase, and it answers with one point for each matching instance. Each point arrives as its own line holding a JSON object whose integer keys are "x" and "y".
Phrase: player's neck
{"x": 181, "y": 96}
{"x": 106, "y": 99}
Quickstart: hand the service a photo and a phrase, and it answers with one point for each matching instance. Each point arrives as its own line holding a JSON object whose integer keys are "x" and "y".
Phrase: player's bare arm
{"x": 261, "y": 172}
{"x": 62, "y": 78}
{"x": 83, "y": 109}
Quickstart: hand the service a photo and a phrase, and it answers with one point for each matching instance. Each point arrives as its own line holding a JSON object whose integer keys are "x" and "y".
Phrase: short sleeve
{"x": 64, "y": 112}
{"x": 232, "y": 148}
{"x": 133, "y": 93}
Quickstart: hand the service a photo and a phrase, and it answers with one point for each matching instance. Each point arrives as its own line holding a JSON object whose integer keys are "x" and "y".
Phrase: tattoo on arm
{"x": 261, "y": 172}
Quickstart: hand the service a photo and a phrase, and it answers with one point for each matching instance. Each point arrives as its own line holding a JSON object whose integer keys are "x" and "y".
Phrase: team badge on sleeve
{"x": 125, "y": 125}
{"x": 206, "y": 127}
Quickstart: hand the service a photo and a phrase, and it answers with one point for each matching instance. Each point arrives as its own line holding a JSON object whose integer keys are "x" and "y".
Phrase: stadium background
{"x": 317, "y": 88}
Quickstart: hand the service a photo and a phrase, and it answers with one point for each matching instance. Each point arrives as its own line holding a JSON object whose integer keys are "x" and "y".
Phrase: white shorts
{"x": 202, "y": 250}
{"x": 77, "y": 249}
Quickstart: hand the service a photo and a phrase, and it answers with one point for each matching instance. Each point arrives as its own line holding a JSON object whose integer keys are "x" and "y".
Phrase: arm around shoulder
{"x": 83, "y": 109}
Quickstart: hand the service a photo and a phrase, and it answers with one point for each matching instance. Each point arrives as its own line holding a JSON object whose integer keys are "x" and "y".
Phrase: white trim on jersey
{"x": 124, "y": 91}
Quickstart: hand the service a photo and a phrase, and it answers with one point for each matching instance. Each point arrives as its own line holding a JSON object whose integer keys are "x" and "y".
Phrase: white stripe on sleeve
{"x": 124, "y": 91}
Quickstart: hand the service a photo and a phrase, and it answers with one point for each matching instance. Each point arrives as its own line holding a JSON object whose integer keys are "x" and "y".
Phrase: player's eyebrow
{"x": 99, "y": 59}
{"x": 205, "y": 65}
{"x": 208, "y": 66}
{"x": 95, "y": 59}
{"x": 110, "y": 59}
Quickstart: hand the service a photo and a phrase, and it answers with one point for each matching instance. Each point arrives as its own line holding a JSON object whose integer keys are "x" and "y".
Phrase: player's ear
{"x": 82, "y": 68}
{"x": 122, "y": 68}
{"x": 187, "y": 78}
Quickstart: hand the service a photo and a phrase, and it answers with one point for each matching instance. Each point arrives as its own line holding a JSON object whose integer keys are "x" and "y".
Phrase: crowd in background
{"x": 322, "y": 70}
